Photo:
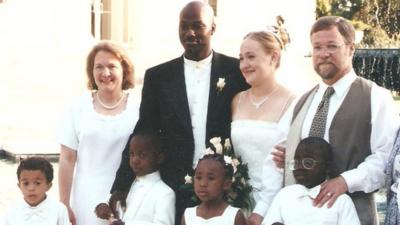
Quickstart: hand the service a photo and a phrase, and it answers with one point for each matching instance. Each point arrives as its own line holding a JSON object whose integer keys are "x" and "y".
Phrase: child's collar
{"x": 151, "y": 177}
{"x": 309, "y": 192}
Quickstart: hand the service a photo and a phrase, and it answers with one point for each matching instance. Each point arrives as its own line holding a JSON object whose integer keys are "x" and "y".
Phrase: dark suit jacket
{"x": 164, "y": 107}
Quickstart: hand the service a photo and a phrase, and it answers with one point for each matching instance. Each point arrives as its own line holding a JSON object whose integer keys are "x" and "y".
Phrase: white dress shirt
{"x": 197, "y": 80}
{"x": 369, "y": 175}
{"x": 48, "y": 212}
{"x": 293, "y": 206}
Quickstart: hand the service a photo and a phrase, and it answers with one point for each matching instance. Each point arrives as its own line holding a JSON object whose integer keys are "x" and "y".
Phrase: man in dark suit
{"x": 188, "y": 99}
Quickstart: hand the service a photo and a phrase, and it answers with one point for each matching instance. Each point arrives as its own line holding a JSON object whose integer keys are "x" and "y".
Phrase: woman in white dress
{"x": 94, "y": 133}
{"x": 260, "y": 117}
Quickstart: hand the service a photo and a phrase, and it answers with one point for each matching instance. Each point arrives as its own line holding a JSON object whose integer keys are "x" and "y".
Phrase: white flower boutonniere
{"x": 220, "y": 84}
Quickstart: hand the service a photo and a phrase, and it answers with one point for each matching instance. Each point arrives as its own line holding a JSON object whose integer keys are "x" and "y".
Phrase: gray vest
{"x": 349, "y": 137}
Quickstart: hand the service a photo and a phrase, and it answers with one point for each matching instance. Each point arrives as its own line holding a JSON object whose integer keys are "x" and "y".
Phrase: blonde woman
{"x": 260, "y": 118}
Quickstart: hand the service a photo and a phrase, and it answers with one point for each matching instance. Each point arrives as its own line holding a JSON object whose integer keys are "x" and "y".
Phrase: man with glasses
{"x": 356, "y": 117}
{"x": 294, "y": 203}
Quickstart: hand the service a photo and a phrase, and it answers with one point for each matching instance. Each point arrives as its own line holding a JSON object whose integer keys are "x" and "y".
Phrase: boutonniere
{"x": 220, "y": 84}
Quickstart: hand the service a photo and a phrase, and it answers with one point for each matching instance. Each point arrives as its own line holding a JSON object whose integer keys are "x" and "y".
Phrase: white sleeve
{"x": 67, "y": 130}
{"x": 274, "y": 212}
{"x": 347, "y": 214}
{"x": 369, "y": 175}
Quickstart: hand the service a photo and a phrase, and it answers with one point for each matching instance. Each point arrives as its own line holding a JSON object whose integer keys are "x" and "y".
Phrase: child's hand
{"x": 103, "y": 211}
{"x": 117, "y": 222}
{"x": 254, "y": 219}
{"x": 115, "y": 197}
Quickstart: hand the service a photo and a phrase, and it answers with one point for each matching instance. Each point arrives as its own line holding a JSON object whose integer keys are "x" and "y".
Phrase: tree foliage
{"x": 379, "y": 19}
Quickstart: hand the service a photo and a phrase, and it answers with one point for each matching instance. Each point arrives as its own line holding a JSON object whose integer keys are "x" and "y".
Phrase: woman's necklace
{"x": 110, "y": 107}
{"x": 257, "y": 105}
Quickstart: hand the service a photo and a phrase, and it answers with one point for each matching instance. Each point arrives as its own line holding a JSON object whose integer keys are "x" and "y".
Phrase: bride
{"x": 260, "y": 116}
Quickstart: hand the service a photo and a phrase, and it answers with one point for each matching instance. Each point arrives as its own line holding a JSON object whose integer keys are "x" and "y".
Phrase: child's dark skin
{"x": 317, "y": 154}
{"x": 145, "y": 158}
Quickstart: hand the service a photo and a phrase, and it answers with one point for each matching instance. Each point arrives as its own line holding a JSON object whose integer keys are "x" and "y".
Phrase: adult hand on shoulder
{"x": 71, "y": 215}
{"x": 330, "y": 191}
{"x": 278, "y": 156}
{"x": 117, "y": 196}
{"x": 254, "y": 219}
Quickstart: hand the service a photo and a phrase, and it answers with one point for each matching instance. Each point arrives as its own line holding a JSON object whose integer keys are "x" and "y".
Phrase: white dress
{"x": 227, "y": 218}
{"x": 99, "y": 141}
{"x": 253, "y": 141}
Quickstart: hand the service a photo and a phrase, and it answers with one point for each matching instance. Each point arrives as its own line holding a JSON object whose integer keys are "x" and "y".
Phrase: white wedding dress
{"x": 253, "y": 141}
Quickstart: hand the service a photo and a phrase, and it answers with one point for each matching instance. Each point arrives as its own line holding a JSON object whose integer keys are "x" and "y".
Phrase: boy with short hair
{"x": 150, "y": 200}
{"x": 35, "y": 177}
{"x": 294, "y": 203}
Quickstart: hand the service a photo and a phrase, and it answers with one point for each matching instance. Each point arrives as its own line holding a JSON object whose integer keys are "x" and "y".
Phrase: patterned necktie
{"x": 319, "y": 121}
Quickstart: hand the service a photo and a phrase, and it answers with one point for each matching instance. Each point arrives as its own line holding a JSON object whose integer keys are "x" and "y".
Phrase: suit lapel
{"x": 178, "y": 87}
{"x": 215, "y": 95}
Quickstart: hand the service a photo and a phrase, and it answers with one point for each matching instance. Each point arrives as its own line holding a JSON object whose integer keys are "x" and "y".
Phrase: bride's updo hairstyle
{"x": 270, "y": 40}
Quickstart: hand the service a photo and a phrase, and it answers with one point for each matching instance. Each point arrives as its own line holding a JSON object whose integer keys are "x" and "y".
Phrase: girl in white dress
{"x": 212, "y": 178}
{"x": 260, "y": 117}
{"x": 94, "y": 133}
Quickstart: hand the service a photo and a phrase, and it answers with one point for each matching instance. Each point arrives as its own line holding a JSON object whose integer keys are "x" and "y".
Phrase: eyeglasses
{"x": 305, "y": 163}
{"x": 331, "y": 48}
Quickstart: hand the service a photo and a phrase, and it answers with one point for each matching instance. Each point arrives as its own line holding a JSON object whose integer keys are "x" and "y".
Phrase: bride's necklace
{"x": 110, "y": 107}
{"x": 257, "y": 105}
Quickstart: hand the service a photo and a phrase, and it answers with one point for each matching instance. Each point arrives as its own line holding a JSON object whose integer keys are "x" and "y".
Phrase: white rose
{"x": 227, "y": 159}
{"x": 235, "y": 162}
{"x": 220, "y": 84}
{"x": 188, "y": 179}
{"x": 209, "y": 151}
{"x": 218, "y": 149}
{"x": 227, "y": 144}
{"x": 215, "y": 141}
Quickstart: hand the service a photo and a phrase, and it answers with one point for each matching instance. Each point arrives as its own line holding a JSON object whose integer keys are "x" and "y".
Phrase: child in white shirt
{"x": 149, "y": 201}
{"x": 35, "y": 175}
{"x": 294, "y": 203}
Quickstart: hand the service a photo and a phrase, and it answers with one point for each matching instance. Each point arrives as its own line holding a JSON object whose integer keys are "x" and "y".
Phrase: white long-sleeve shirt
{"x": 197, "y": 82}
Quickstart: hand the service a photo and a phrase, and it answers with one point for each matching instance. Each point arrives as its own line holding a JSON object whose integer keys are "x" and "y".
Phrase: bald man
{"x": 181, "y": 99}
